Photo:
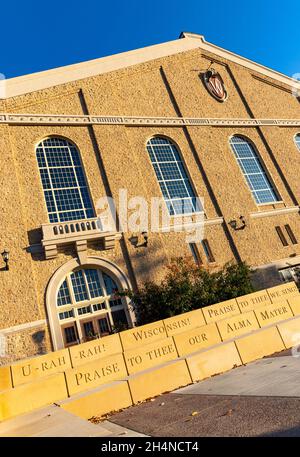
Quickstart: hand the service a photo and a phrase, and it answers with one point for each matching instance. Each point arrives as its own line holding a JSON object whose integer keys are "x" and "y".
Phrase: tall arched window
{"x": 258, "y": 181}
{"x": 88, "y": 305}
{"x": 174, "y": 183}
{"x": 64, "y": 183}
{"x": 297, "y": 140}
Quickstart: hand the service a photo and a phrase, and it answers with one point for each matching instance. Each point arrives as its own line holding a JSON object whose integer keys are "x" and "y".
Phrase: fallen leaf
{"x": 228, "y": 413}
{"x": 194, "y": 413}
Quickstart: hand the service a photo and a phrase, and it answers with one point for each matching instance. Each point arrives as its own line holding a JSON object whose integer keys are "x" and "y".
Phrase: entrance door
{"x": 88, "y": 330}
{"x": 92, "y": 328}
{"x": 70, "y": 334}
{"x": 104, "y": 326}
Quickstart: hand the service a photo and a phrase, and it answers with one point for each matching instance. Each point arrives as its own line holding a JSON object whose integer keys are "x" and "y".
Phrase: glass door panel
{"x": 104, "y": 327}
{"x": 70, "y": 334}
{"x": 88, "y": 330}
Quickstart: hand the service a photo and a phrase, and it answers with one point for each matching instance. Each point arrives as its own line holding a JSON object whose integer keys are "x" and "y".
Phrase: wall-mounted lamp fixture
{"x": 146, "y": 236}
{"x": 234, "y": 223}
{"x": 135, "y": 240}
{"x": 5, "y": 256}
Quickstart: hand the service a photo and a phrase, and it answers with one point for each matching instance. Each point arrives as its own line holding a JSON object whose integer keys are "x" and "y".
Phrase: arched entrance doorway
{"x": 83, "y": 303}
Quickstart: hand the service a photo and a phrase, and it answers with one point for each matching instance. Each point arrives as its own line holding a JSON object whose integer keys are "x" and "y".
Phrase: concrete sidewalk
{"x": 260, "y": 399}
{"x": 270, "y": 377}
{"x": 54, "y": 421}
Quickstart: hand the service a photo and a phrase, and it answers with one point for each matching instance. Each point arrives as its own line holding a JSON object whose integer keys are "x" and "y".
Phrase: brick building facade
{"x": 71, "y": 135}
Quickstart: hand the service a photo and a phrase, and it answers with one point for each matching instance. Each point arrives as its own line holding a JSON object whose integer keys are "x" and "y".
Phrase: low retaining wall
{"x": 119, "y": 370}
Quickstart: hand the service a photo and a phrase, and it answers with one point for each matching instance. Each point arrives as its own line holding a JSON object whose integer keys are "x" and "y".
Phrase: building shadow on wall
{"x": 39, "y": 340}
{"x": 143, "y": 263}
{"x": 34, "y": 236}
{"x": 35, "y": 244}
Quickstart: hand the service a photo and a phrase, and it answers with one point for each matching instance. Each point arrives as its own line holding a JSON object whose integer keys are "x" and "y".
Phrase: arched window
{"x": 297, "y": 140}
{"x": 172, "y": 177}
{"x": 64, "y": 183}
{"x": 88, "y": 305}
{"x": 259, "y": 183}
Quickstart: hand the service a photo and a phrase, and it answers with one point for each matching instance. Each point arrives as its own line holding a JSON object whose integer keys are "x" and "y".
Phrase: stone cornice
{"x": 55, "y": 119}
{"x": 275, "y": 212}
{"x": 22, "y": 327}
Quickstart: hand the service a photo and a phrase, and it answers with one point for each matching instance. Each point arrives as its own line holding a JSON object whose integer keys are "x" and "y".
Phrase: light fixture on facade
{"x": 5, "y": 256}
{"x": 135, "y": 240}
{"x": 234, "y": 223}
{"x": 146, "y": 236}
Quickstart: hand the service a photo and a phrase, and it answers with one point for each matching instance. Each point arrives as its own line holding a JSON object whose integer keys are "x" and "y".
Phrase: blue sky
{"x": 37, "y": 35}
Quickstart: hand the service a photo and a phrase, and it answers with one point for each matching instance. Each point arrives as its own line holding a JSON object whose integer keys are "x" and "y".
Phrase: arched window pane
{"x": 172, "y": 177}
{"x": 63, "y": 297}
{"x": 261, "y": 187}
{"x": 65, "y": 187}
{"x": 297, "y": 140}
{"x": 94, "y": 285}
{"x": 88, "y": 306}
{"x": 110, "y": 285}
{"x": 79, "y": 286}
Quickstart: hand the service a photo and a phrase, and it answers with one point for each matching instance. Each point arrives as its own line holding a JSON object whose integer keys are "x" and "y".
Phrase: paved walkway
{"x": 272, "y": 377}
{"x": 260, "y": 399}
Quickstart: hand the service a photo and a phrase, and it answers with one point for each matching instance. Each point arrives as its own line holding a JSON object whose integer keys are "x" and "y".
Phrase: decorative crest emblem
{"x": 214, "y": 84}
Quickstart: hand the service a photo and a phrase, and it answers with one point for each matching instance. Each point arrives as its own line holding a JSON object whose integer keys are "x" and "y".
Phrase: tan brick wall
{"x": 142, "y": 91}
{"x": 25, "y": 343}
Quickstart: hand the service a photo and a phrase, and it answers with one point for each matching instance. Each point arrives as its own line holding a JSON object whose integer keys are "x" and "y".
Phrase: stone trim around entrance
{"x": 105, "y": 265}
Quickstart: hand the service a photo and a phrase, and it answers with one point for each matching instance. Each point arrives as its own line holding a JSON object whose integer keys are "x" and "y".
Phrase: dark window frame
{"x": 195, "y": 253}
{"x": 281, "y": 236}
{"x": 290, "y": 234}
{"x": 207, "y": 251}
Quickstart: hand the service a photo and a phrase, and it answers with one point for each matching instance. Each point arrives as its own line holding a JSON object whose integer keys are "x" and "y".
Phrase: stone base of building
{"x": 276, "y": 272}
{"x": 28, "y": 340}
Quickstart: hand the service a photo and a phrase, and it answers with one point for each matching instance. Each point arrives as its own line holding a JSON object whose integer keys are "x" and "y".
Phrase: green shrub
{"x": 186, "y": 287}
